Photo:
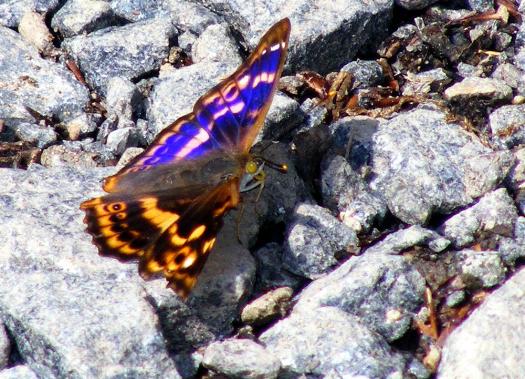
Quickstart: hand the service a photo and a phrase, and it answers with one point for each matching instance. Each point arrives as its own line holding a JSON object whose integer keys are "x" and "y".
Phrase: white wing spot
{"x": 237, "y": 107}
{"x": 256, "y": 81}
{"x": 244, "y": 81}
{"x": 275, "y": 47}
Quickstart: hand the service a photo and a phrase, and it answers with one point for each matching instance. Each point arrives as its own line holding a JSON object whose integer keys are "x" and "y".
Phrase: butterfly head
{"x": 254, "y": 174}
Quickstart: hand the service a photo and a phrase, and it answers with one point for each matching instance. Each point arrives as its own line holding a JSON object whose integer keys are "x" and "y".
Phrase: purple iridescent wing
{"x": 228, "y": 117}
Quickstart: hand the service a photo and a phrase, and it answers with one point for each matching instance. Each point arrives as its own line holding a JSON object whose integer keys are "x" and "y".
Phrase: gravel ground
{"x": 392, "y": 248}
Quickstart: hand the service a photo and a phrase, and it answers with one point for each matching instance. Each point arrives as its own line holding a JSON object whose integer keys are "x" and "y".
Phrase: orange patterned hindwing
{"x": 168, "y": 235}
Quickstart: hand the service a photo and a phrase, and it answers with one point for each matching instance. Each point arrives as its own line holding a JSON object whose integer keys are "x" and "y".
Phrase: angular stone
{"x": 509, "y": 73}
{"x": 370, "y": 287}
{"x": 41, "y": 136}
{"x": 284, "y": 115}
{"x": 77, "y": 17}
{"x": 240, "y": 358}
{"x": 494, "y": 214}
{"x": 346, "y": 192}
{"x": 270, "y": 269}
{"x": 34, "y": 30}
{"x": 425, "y": 82}
{"x": 61, "y": 155}
{"x": 123, "y": 100}
{"x": 268, "y": 307}
{"x": 366, "y": 73}
{"x": 422, "y": 164}
{"x": 512, "y": 248}
{"x": 331, "y": 343}
{"x": 119, "y": 140}
{"x": 227, "y": 279}
{"x": 191, "y": 16}
{"x": 415, "y": 235}
{"x": 507, "y": 124}
{"x": 128, "y": 51}
{"x": 316, "y": 44}
{"x": 481, "y": 268}
{"x": 488, "y": 89}
{"x": 499, "y": 319}
{"x": 315, "y": 241}
{"x": 29, "y": 82}
{"x": 216, "y": 44}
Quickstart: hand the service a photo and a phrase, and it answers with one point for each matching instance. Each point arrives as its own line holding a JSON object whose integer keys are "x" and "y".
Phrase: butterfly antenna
{"x": 281, "y": 167}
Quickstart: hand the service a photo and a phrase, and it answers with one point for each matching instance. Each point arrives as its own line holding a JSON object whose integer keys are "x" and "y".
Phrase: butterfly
{"x": 166, "y": 206}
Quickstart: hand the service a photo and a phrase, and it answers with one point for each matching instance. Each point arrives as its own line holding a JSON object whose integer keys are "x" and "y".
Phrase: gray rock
{"x": 425, "y": 82}
{"x": 128, "y": 51}
{"x": 414, "y": 4}
{"x": 488, "y": 89}
{"x": 33, "y": 29}
{"x": 455, "y": 298}
{"x": 516, "y": 178}
{"x": 41, "y": 136}
{"x": 314, "y": 43}
{"x": 481, "y": 268}
{"x": 128, "y": 155}
{"x": 507, "y": 124}
{"x": 494, "y": 214}
{"x": 137, "y": 10}
{"x": 77, "y": 17}
{"x": 268, "y": 307}
{"x": 331, "y": 343}
{"x": 62, "y": 155}
{"x": 283, "y": 116}
{"x": 11, "y": 11}
{"x": 423, "y": 165}
{"x": 315, "y": 115}
{"x": 18, "y": 372}
{"x": 123, "y": 100}
{"x": 512, "y": 248}
{"x": 466, "y": 353}
{"x": 216, "y": 44}
{"x": 270, "y": 269}
{"x": 481, "y": 5}
{"x": 191, "y": 16}
{"x": 225, "y": 281}
{"x": 109, "y": 125}
{"x": 366, "y": 73}
{"x": 396, "y": 243}
{"x": 345, "y": 191}
{"x": 119, "y": 140}
{"x": 81, "y": 125}
{"x": 509, "y": 73}
{"x": 383, "y": 291}
{"x": 240, "y": 358}
{"x": 86, "y": 305}
{"x": 175, "y": 93}
{"x": 315, "y": 241}
{"x": 29, "y": 82}
{"x": 466, "y": 70}
{"x": 5, "y": 348}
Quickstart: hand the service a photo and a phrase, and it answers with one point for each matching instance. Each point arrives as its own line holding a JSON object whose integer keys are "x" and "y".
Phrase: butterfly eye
{"x": 251, "y": 167}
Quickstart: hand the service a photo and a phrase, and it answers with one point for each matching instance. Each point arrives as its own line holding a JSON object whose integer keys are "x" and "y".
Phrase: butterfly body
{"x": 166, "y": 206}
